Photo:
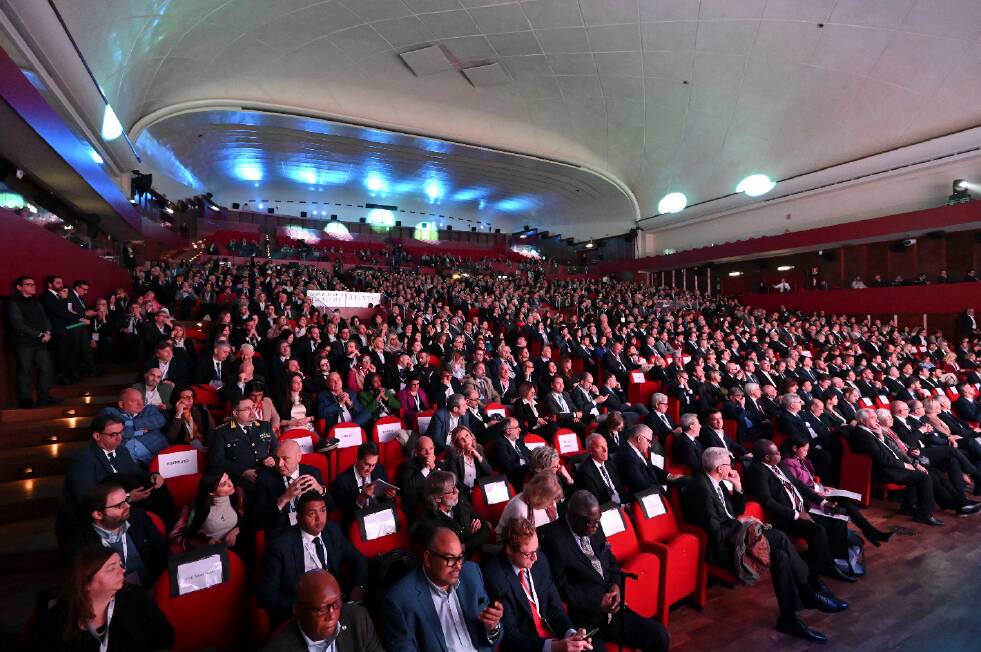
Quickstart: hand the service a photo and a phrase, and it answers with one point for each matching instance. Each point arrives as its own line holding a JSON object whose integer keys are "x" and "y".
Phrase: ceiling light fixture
{"x": 111, "y": 127}
{"x": 961, "y": 193}
{"x": 785, "y": 268}
{"x": 673, "y": 202}
{"x": 756, "y": 185}
{"x": 735, "y": 273}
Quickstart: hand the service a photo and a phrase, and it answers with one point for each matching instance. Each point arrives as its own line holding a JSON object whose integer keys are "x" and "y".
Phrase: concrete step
{"x": 28, "y": 499}
{"x": 46, "y": 431}
{"x": 37, "y": 461}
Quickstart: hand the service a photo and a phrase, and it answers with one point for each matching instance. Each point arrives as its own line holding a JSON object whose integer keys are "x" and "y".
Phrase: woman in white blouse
{"x": 538, "y": 502}
{"x": 296, "y": 406}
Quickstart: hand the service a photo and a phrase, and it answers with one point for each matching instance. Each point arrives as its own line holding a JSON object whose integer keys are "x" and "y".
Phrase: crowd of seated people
{"x": 485, "y": 377}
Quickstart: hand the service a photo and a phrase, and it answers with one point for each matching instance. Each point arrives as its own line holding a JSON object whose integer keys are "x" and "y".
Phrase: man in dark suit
{"x": 509, "y": 455}
{"x": 825, "y": 450}
{"x": 242, "y": 445}
{"x": 446, "y": 420}
{"x": 965, "y": 407}
{"x": 443, "y": 506}
{"x": 469, "y": 619}
{"x": 751, "y": 422}
{"x": 174, "y": 370}
{"x": 596, "y": 475}
{"x": 613, "y": 362}
{"x": 109, "y": 521}
{"x": 29, "y": 333}
{"x": 411, "y": 476}
{"x": 216, "y": 369}
{"x": 338, "y": 405}
{"x": 683, "y": 393}
{"x": 709, "y": 504}
{"x": 786, "y": 500}
{"x": 323, "y": 619}
{"x": 278, "y": 489}
{"x": 640, "y": 462}
{"x": 354, "y": 488}
{"x": 312, "y": 544}
{"x": 713, "y": 434}
{"x": 616, "y": 399}
{"x": 687, "y": 450}
{"x": 534, "y": 618}
{"x": 505, "y": 386}
{"x": 588, "y": 577}
{"x": 559, "y": 404}
{"x": 60, "y": 318}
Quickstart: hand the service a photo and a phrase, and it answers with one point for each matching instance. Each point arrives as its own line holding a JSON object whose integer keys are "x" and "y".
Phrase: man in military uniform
{"x": 242, "y": 445}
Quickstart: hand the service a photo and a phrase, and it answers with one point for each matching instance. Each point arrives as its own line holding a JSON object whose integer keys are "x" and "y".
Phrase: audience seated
{"x": 354, "y": 488}
{"x": 215, "y": 516}
{"x": 143, "y": 425}
{"x": 445, "y": 506}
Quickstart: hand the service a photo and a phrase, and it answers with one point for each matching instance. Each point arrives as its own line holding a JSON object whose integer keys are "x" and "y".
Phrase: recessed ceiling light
{"x": 673, "y": 202}
{"x": 755, "y": 185}
{"x": 735, "y": 273}
{"x": 111, "y": 128}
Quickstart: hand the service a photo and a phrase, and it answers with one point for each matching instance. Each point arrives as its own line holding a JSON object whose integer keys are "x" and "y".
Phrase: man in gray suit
{"x": 324, "y": 622}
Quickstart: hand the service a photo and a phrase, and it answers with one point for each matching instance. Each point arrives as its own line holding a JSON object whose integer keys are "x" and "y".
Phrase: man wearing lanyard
{"x": 277, "y": 489}
{"x": 128, "y": 531}
{"x": 534, "y": 619}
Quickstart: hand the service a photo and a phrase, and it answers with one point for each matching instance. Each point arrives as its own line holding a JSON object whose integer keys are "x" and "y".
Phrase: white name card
{"x": 388, "y": 431}
{"x": 174, "y": 465}
{"x": 424, "y": 423}
{"x": 637, "y": 377}
{"x": 657, "y": 460}
{"x": 867, "y": 402}
{"x": 883, "y": 399}
{"x": 806, "y": 354}
{"x": 653, "y": 505}
{"x": 305, "y": 443}
{"x": 348, "y": 436}
{"x": 496, "y": 411}
{"x": 568, "y": 443}
{"x": 379, "y": 524}
{"x": 496, "y": 492}
{"x": 532, "y": 445}
{"x": 612, "y": 522}
{"x": 541, "y": 518}
{"x": 199, "y": 575}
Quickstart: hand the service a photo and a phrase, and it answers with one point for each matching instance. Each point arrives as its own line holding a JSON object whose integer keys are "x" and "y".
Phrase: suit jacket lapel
{"x": 297, "y": 547}
{"x": 429, "y": 609}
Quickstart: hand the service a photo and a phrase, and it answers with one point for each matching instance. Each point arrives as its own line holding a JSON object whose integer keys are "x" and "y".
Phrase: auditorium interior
{"x": 490, "y": 325}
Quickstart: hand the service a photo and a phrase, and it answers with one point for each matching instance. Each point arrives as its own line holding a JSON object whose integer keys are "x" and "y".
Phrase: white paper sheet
{"x": 657, "y": 460}
{"x": 198, "y": 575}
{"x": 424, "y": 424}
{"x": 305, "y": 444}
{"x": 348, "y": 436}
{"x": 388, "y": 431}
{"x": 637, "y": 377}
{"x": 541, "y": 518}
{"x": 496, "y": 492}
{"x": 612, "y": 522}
{"x": 174, "y": 465}
{"x": 498, "y": 411}
{"x": 379, "y": 524}
{"x": 532, "y": 445}
{"x": 653, "y": 505}
{"x": 820, "y": 512}
{"x": 568, "y": 443}
{"x": 844, "y": 493}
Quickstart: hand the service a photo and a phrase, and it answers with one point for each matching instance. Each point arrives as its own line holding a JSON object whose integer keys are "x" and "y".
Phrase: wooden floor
{"x": 922, "y": 593}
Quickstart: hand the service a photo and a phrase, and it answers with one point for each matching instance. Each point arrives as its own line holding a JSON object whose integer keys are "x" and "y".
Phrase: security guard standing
{"x": 242, "y": 445}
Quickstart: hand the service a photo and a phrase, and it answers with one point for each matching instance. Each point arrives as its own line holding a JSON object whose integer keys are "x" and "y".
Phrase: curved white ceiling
{"x": 659, "y": 95}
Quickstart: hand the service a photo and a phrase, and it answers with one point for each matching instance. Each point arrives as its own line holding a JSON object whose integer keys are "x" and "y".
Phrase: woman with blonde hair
{"x": 538, "y": 502}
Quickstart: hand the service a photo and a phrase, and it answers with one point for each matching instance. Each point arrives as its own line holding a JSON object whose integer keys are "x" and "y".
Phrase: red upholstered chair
{"x": 856, "y": 475}
{"x": 642, "y": 392}
{"x": 209, "y": 618}
{"x": 669, "y": 464}
{"x": 497, "y": 408}
{"x": 318, "y": 460}
{"x": 674, "y": 409}
{"x": 731, "y": 428}
{"x": 390, "y": 452}
{"x": 345, "y": 454}
{"x": 308, "y": 440}
{"x": 533, "y": 441}
{"x": 643, "y": 594}
{"x": 182, "y": 488}
{"x": 679, "y": 549}
{"x": 490, "y": 511}
{"x": 422, "y": 420}
{"x": 208, "y": 396}
{"x": 381, "y": 545}
{"x": 721, "y": 573}
{"x": 158, "y": 523}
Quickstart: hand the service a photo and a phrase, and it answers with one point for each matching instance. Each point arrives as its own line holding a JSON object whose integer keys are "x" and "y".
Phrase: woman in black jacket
{"x": 97, "y": 608}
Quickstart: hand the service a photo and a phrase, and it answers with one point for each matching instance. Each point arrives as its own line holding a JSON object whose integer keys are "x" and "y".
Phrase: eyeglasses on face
{"x": 325, "y": 609}
{"x": 122, "y": 502}
{"x": 449, "y": 560}
{"x": 531, "y": 554}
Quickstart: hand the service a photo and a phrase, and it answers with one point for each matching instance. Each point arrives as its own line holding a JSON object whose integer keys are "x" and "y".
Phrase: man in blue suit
{"x": 446, "y": 419}
{"x": 533, "y": 613}
{"x": 143, "y": 436}
{"x": 442, "y": 605}
{"x": 338, "y": 405}
{"x": 312, "y": 544}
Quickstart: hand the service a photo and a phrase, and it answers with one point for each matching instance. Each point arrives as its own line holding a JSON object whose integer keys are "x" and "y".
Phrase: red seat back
{"x": 657, "y": 529}
{"x": 302, "y": 435}
{"x": 624, "y": 544}
{"x": 341, "y": 458}
{"x": 381, "y": 545}
{"x": 563, "y": 440}
{"x": 208, "y": 618}
{"x": 183, "y": 488}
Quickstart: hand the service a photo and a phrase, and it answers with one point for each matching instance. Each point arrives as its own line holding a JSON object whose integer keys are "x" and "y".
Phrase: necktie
{"x": 790, "y": 489}
{"x": 614, "y": 496}
{"x": 664, "y": 418}
{"x": 722, "y": 499}
{"x": 535, "y": 616}
{"x": 112, "y": 461}
{"x": 319, "y": 545}
{"x": 587, "y": 549}
{"x": 217, "y": 370}
{"x": 890, "y": 435}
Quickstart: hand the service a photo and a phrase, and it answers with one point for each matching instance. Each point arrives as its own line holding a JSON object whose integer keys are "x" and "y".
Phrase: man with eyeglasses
{"x": 105, "y": 458}
{"x": 111, "y": 522}
{"x": 444, "y": 507}
{"x": 588, "y": 577}
{"x": 659, "y": 420}
{"x": 241, "y": 446}
{"x": 442, "y": 605}
{"x": 534, "y": 618}
{"x": 509, "y": 455}
{"x": 29, "y": 334}
{"x": 312, "y": 544}
{"x": 324, "y": 622}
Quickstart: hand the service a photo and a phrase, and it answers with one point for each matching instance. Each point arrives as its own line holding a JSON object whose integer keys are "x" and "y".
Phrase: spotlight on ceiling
{"x": 735, "y": 273}
{"x": 755, "y": 185}
{"x": 961, "y": 194}
{"x": 785, "y": 268}
{"x": 590, "y": 245}
{"x": 111, "y": 127}
{"x": 673, "y": 202}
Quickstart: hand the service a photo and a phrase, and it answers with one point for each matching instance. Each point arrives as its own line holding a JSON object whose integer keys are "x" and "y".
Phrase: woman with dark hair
{"x": 99, "y": 612}
{"x": 214, "y": 517}
{"x": 192, "y": 423}
{"x": 296, "y": 407}
{"x": 526, "y": 411}
{"x": 377, "y": 399}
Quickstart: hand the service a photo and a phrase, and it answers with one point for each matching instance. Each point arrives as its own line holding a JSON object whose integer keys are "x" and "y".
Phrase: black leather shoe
{"x": 797, "y": 628}
{"x": 825, "y": 602}
{"x": 928, "y": 520}
{"x": 839, "y": 574}
{"x": 968, "y": 509}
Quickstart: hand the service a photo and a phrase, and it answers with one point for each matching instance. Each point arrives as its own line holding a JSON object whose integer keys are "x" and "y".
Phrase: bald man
{"x": 277, "y": 488}
{"x": 324, "y": 622}
{"x": 143, "y": 425}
